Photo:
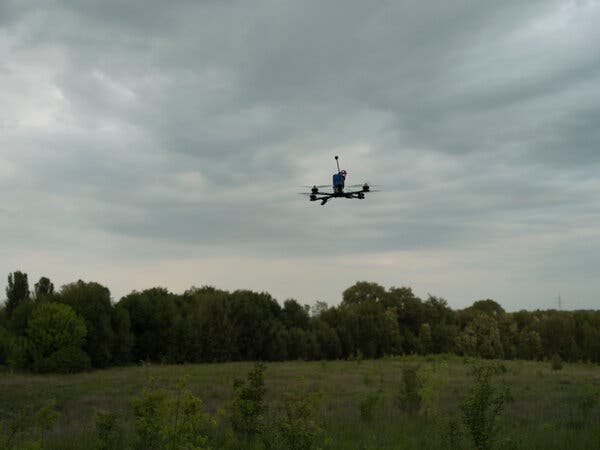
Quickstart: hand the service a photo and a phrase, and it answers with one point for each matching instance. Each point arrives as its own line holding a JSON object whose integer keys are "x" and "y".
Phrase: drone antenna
{"x": 338, "y": 164}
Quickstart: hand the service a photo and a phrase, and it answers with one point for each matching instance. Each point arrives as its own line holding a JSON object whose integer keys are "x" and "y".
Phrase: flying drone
{"x": 339, "y": 179}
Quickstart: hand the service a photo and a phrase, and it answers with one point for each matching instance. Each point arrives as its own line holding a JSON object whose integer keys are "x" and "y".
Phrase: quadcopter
{"x": 339, "y": 179}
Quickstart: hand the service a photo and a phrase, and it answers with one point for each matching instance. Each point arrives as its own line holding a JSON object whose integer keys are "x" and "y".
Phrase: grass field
{"x": 544, "y": 409}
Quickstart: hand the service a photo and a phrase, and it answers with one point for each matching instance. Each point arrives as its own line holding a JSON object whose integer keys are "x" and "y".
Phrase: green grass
{"x": 545, "y": 410}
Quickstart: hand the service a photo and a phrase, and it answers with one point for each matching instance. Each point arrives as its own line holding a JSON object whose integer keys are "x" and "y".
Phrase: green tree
{"x": 319, "y": 308}
{"x": 442, "y": 321}
{"x": 327, "y": 339}
{"x": 530, "y": 345}
{"x": 410, "y": 313}
{"x": 16, "y": 291}
{"x": 557, "y": 330}
{"x": 295, "y": 315}
{"x": 44, "y": 288}
{"x": 363, "y": 291}
{"x": 489, "y": 307}
{"x": 4, "y": 345}
{"x": 297, "y": 344}
{"x": 92, "y": 302}
{"x": 122, "y": 337}
{"x": 481, "y": 337}
{"x": 426, "y": 342}
{"x": 56, "y": 335}
{"x": 154, "y": 320}
{"x": 252, "y": 316}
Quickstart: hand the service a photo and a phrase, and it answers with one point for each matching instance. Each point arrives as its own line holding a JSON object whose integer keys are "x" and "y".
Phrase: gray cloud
{"x": 153, "y": 131}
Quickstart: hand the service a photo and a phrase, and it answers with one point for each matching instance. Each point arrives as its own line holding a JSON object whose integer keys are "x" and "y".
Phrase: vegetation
{"x": 306, "y": 405}
{"x": 211, "y": 325}
{"x": 390, "y": 370}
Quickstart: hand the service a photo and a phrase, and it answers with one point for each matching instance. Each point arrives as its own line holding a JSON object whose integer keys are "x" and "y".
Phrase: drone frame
{"x": 324, "y": 197}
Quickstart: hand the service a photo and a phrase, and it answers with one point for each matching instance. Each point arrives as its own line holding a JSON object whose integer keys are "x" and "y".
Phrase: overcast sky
{"x": 158, "y": 143}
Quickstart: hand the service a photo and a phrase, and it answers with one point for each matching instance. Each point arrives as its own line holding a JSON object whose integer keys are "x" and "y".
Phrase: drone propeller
{"x": 362, "y": 184}
{"x": 317, "y": 186}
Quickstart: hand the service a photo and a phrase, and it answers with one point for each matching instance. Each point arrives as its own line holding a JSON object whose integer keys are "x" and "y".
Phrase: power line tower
{"x": 559, "y": 302}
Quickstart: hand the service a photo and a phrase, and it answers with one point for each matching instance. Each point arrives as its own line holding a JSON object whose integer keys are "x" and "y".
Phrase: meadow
{"x": 355, "y": 403}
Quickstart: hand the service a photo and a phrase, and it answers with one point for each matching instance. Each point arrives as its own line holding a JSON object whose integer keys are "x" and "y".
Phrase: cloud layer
{"x": 157, "y": 143}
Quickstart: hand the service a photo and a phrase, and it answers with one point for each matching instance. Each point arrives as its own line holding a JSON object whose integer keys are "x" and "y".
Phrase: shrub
{"x": 174, "y": 422}
{"x": 369, "y": 405}
{"x": 409, "y": 397}
{"x": 482, "y": 406}
{"x": 432, "y": 381}
{"x": 108, "y": 431}
{"x": 296, "y": 428}
{"x": 453, "y": 434}
{"x": 247, "y": 407}
{"x": 26, "y": 428}
{"x": 65, "y": 360}
{"x": 150, "y": 411}
{"x": 588, "y": 401}
{"x": 556, "y": 362}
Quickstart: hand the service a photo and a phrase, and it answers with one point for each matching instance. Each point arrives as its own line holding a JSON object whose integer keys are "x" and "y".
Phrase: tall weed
{"x": 174, "y": 422}
{"x": 248, "y": 407}
{"x": 482, "y": 406}
{"x": 27, "y": 427}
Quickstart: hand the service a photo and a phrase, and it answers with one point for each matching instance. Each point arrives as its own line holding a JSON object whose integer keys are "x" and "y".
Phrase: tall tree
{"x": 16, "y": 291}
{"x": 92, "y": 302}
{"x": 43, "y": 288}
{"x": 363, "y": 291}
{"x": 56, "y": 334}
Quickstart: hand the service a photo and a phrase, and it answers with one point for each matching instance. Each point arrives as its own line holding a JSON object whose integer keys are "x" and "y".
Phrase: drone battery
{"x": 338, "y": 180}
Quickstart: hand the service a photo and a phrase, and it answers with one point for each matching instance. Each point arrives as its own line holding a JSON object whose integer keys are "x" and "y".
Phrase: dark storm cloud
{"x": 192, "y": 123}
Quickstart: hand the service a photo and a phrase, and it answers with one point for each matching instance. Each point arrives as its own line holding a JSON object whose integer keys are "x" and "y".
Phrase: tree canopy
{"x": 80, "y": 326}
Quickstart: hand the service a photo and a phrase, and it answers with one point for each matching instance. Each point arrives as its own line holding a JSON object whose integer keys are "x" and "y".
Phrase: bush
{"x": 4, "y": 339}
{"x": 433, "y": 380}
{"x": 27, "y": 427}
{"x": 409, "y": 397}
{"x": 556, "y": 362}
{"x": 65, "y": 360}
{"x": 174, "y": 422}
{"x": 368, "y": 406}
{"x": 296, "y": 428}
{"x": 482, "y": 406}
{"x": 108, "y": 431}
{"x": 247, "y": 407}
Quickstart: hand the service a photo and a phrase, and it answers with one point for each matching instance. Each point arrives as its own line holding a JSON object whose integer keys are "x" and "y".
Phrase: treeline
{"x": 78, "y": 327}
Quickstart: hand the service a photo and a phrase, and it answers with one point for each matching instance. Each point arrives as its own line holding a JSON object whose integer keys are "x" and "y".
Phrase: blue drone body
{"x": 338, "y": 184}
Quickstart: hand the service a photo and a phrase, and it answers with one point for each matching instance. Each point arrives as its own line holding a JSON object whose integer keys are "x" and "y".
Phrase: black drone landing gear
{"x": 323, "y": 201}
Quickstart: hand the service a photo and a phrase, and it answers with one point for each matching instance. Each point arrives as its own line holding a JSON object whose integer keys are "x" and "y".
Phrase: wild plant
{"x": 108, "y": 430}
{"x": 174, "y": 422}
{"x": 482, "y": 406}
{"x": 556, "y": 362}
{"x": 432, "y": 382}
{"x": 27, "y": 427}
{"x": 297, "y": 427}
{"x": 248, "y": 408}
{"x": 409, "y": 396}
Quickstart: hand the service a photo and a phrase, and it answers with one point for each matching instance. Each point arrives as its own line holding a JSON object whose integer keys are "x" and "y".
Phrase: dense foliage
{"x": 79, "y": 326}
